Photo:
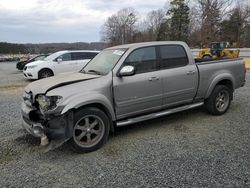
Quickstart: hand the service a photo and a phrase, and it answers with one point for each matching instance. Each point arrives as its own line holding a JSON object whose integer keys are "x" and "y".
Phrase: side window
{"x": 143, "y": 59}
{"x": 76, "y": 56}
{"x": 91, "y": 55}
{"x": 173, "y": 56}
{"x": 83, "y": 55}
{"x": 65, "y": 57}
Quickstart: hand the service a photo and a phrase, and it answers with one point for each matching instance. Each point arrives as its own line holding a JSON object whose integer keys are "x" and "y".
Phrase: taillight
{"x": 245, "y": 69}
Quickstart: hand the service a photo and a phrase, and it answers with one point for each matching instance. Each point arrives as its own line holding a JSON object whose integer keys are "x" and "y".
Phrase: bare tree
{"x": 241, "y": 17}
{"x": 211, "y": 13}
{"x": 120, "y": 27}
{"x": 206, "y": 21}
{"x": 153, "y": 23}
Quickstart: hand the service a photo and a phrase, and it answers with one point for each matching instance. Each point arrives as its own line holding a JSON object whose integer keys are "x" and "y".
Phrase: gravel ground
{"x": 10, "y": 76}
{"x": 188, "y": 149}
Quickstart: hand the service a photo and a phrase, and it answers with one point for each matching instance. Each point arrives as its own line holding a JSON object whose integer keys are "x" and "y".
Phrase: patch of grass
{"x": 11, "y": 88}
{"x": 7, "y": 153}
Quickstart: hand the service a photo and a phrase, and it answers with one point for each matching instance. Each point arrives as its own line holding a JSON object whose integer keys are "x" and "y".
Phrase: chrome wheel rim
{"x": 88, "y": 131}
{"x": 222, "y": 101}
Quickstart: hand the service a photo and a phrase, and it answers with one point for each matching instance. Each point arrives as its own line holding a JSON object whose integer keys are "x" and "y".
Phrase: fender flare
{"x": 84, "y": 100}
{"x": 216, "y": 80}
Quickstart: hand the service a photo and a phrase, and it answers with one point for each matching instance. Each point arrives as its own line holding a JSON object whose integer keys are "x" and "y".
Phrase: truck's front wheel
{"x": 219, "y": 101}
{"x": 91, "y": 130}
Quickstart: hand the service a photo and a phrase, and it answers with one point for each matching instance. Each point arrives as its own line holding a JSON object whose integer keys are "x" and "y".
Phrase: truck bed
{"x": 211, "y": 71}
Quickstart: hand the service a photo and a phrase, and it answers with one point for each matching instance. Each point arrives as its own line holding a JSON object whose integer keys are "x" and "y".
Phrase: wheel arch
{"x": 95, "y": 100}
{"x": 103, "y": 108}
{"x": 43, "y": 69}
{"x": 226, "y": 80}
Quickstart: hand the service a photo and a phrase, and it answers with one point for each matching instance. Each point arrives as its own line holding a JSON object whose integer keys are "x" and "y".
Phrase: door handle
{"x": 154, "y": 78}
{"x": 190, "y": 72}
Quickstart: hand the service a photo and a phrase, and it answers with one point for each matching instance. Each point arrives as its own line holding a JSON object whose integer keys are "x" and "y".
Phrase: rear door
{"x": 180, "y": 77}
{"x": 66, "y": 65}
{"x": 142, "y": 92}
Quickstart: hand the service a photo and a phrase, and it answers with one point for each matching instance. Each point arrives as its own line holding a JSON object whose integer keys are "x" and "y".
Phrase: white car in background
{"x": 59, "y": 62}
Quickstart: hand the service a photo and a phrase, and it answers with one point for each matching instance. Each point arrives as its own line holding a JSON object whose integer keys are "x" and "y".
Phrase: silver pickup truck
{"x": 123, "y": 85}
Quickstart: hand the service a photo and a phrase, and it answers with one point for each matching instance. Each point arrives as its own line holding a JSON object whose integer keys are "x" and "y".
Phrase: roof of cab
{"x": 64, "y": 51}
{"x": 143, "y": 44}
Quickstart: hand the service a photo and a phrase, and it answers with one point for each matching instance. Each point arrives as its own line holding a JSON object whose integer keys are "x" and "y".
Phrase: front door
{"x": 142, "y": 92}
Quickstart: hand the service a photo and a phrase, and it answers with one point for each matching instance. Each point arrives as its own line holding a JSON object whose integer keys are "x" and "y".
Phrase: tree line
{"x": 45, "y": 48}
{"x": 11, "y": 48}
{"x": 197, "y": 22}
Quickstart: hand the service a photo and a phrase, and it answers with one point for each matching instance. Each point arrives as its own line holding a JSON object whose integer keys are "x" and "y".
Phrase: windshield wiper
{"x": 94, "y": 71}
{"x": 82, "y": 71}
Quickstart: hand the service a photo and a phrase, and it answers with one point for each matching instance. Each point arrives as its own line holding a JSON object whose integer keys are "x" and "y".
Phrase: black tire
{"x": 45, "y": 73}
{"x": 83, "y": 136}
{"x": 206, "y": 57}
{"x": 219, "y": 100}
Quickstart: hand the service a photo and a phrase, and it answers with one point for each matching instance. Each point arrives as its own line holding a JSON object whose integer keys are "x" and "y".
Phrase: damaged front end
{"x": 42, "y": 118}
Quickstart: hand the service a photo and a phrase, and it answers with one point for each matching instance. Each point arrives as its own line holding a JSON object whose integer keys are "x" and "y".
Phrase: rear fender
{"x": 216, "y": 80}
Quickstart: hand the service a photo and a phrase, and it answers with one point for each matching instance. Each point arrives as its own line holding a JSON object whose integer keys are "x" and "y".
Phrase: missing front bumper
{"x": 53, "y": 131}
{"x": 36, "y": 130}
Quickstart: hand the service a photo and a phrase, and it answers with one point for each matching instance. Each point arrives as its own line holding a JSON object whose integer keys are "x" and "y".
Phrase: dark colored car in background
{"x": 20, "y": 65}
{"x": 8, "y": 58}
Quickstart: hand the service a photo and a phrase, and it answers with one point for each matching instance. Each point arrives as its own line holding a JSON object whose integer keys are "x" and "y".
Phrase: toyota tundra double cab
{"x": 123, "y": 85}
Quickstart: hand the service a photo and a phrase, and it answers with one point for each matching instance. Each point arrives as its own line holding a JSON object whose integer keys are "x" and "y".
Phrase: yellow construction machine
{"x": 218, "y": 50}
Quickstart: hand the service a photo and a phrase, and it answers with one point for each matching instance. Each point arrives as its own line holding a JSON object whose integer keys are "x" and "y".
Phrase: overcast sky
{"x": 41, "y": 21}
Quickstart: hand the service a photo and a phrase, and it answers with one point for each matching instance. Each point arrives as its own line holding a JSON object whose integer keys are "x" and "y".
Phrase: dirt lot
{"x": 188, "y": 149}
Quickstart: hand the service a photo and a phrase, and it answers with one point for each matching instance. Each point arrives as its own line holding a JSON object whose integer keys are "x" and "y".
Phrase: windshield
{"x": 53, "y": 56}
{"x": 104, "y": 62}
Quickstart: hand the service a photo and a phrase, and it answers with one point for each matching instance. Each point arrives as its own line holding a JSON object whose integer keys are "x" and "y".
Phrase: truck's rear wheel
{"x": 91, "y": 130}
{"x": 219, "y": 101}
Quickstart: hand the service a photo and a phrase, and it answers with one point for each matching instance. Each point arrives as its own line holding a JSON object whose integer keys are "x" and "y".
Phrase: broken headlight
{"x": 47, "y": 103}
{"x": 27, "y": 98}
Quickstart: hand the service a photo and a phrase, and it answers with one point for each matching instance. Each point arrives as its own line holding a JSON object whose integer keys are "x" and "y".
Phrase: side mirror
{"x": 59, "y": 60}
{"x": 127, "y": 71}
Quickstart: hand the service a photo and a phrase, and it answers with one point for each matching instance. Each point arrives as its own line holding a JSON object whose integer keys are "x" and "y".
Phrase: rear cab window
{"x": 173, "y": 56}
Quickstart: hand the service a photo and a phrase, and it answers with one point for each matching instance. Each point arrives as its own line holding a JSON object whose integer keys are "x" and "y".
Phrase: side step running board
{"x": 157, "y": 114}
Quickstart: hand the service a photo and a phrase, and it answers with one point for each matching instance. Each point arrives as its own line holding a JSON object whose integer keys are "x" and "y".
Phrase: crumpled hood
{"x": 44, "y": 85}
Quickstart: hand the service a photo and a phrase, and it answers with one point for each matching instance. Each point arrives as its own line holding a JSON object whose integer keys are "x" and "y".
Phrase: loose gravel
{"x": 188, "y": 149}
